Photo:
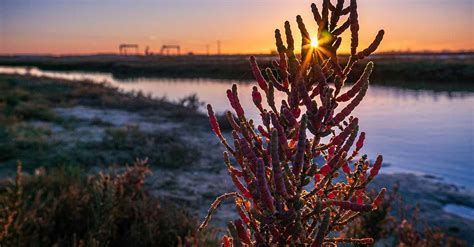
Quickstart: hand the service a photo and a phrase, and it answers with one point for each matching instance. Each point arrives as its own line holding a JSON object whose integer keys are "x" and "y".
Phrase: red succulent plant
{"x": 285, "y": 194}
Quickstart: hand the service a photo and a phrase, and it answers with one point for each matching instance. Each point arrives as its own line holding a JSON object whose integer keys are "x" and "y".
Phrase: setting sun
{"x": 314, "y": 42}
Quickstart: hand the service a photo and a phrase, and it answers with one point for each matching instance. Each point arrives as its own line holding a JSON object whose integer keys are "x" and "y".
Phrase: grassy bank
{"x": 68, "y": 207}
{"x": 46, "y": 122}
{"x": 73, "y": 139}
{"x": 392, "y": 70}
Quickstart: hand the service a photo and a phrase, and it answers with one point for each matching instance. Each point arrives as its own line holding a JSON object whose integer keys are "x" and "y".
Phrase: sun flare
{"x": 314, "y": 42}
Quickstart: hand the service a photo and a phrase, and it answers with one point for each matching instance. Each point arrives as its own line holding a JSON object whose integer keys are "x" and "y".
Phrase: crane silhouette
{"x": 123, "y": 48}
{"x": 168, "y": 48}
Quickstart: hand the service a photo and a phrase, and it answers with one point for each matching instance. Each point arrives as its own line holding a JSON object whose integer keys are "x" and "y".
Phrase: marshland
{"x": 117, "y": 150}
{"x": 94, "y": 120}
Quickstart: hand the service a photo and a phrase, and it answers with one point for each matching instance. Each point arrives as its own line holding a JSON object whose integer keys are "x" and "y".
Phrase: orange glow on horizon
{"x": 240, "y": 27}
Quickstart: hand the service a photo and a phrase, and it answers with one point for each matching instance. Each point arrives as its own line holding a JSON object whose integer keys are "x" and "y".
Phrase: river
{"x": 417, "y": 131}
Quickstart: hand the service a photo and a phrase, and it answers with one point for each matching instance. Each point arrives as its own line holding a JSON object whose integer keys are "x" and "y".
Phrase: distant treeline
{"x": 390, "y": 69}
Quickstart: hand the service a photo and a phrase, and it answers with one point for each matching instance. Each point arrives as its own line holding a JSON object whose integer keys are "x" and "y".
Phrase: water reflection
{"x": 416, "y": 130}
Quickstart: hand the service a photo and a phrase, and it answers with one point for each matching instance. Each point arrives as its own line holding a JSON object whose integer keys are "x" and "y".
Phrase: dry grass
{"x": 66, "y": 207}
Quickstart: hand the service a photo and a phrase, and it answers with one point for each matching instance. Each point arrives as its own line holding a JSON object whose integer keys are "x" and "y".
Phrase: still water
{"x": 422, "y": 132}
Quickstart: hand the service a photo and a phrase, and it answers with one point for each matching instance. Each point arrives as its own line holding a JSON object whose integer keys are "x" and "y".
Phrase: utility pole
{"x": 218, "y": 47}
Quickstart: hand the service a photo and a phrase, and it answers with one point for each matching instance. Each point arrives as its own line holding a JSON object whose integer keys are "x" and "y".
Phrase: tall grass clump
{"x": 284, "y": 196}
{"x": 67, "y": 207}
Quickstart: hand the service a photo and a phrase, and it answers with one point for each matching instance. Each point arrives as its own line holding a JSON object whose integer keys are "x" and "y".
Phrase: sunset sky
{"x": 242, "y": 26}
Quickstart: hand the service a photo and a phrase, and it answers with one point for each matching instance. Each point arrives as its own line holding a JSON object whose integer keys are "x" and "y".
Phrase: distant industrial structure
{"x": 123, "y": 48}
{"x": 166, "y": 49}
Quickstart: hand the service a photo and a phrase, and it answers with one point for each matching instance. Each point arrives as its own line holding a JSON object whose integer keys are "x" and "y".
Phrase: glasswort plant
{"x": 283, "y": 195}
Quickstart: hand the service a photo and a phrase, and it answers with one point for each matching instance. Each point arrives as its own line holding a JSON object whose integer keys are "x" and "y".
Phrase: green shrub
{"x": 162, "y": 148}
{"x": 6, "y": 150}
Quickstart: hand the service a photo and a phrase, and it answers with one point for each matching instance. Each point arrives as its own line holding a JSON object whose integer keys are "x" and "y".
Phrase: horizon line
{"x": 395, "y": 52}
